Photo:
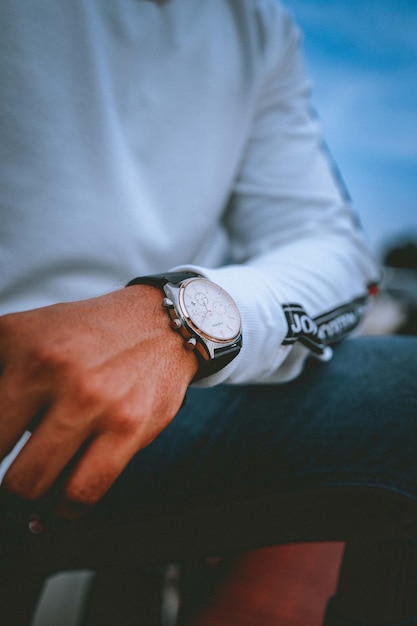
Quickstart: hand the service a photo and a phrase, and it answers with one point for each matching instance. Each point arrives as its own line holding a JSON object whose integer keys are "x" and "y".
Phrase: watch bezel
{"x": 208, "y": 346}
{"x": 197, "y": 329}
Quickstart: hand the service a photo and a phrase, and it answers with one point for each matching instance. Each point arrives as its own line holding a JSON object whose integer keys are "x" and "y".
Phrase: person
{"x": 178, "y": 257}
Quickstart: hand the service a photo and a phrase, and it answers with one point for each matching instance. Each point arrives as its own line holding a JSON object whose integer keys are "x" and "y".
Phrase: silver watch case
{"x": 193, "y": 335}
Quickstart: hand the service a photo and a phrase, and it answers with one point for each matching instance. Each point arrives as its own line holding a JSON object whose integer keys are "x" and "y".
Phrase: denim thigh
{"x": 342, "y": 432}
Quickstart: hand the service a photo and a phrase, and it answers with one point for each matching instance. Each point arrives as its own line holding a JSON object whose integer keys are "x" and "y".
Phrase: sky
{"x": 362, "y": 60}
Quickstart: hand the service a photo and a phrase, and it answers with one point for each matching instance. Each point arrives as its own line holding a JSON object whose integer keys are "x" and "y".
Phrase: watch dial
{"x": 211, "y": 309}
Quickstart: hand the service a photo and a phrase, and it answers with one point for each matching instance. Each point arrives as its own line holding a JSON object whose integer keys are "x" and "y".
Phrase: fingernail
{"x": 35, "y": 524}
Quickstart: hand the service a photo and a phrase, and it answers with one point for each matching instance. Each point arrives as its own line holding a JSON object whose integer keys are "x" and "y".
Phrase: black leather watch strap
{"x": 223, "y": 357}
{"x": 159, "y": 280}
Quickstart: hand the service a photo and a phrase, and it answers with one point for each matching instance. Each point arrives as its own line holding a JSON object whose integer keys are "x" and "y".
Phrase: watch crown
{"x": 167, "y": 302}
{"x": 191, "y": 343}
{"x": 176, "y": 324}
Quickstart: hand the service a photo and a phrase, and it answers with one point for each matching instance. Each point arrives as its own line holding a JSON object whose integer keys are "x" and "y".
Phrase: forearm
{"x": 321, "y": 274}
{"x": 293, "y": 234}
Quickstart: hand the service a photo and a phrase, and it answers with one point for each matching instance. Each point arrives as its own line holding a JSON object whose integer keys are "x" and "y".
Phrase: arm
{"x": 294, "y": 236}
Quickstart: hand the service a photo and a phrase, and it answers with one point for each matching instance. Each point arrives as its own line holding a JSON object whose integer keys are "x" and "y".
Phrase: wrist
{"x": 153, "y": 316}
{"x": 203, "y": 314}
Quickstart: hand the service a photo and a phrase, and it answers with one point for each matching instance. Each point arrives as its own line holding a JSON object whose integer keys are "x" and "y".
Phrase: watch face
{"x": 210, "y": 309}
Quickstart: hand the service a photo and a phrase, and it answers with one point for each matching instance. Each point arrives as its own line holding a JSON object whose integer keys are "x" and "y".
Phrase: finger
{"x": 103, "y": 461}
{"x": 52, "y": 446}
{"x": 18, "y": 409}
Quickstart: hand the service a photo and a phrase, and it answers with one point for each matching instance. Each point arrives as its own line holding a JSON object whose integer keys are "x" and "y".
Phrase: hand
{"x": 101, "y": 378}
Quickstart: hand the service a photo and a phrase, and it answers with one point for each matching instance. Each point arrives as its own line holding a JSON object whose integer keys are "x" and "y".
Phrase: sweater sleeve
{"x": 296, "y": 243}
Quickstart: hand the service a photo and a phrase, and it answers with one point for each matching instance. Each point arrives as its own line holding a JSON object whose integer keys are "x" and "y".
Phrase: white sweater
{"x": 137, "y": 137}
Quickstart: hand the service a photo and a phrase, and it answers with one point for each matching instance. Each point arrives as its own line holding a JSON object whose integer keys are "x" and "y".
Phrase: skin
{"x": 102, "y": 378}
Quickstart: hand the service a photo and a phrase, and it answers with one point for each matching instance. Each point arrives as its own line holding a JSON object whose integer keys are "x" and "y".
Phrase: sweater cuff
{"x": 263, "y": 325}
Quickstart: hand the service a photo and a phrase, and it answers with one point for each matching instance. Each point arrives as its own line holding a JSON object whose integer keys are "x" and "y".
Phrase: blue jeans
{"x": 329, "y": 456}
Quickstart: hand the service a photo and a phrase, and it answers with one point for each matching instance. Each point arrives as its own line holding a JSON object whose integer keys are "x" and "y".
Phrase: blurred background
{"x": 362, "y": 58}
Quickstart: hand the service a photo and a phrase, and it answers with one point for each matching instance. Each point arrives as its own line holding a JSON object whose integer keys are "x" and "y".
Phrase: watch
{"x": 204, "y": 314}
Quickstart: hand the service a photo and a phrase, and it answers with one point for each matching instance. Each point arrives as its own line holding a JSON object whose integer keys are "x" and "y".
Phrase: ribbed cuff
{"x": 264, "y": 325}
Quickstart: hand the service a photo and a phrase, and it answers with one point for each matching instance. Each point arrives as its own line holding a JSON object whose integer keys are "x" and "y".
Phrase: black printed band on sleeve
{"x": 328, "y": 328}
